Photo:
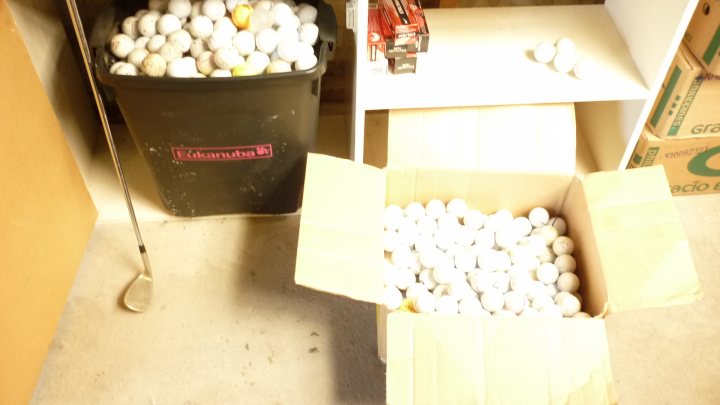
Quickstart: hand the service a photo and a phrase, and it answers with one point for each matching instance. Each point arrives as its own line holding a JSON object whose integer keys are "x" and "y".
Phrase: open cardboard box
{"x": 631, "y": 250}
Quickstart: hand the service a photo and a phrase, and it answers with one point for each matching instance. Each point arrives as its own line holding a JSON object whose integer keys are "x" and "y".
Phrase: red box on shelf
{"x": 375, "y": 37}
{"x": 401, "y": 21}
{"x": 423, "y": 35}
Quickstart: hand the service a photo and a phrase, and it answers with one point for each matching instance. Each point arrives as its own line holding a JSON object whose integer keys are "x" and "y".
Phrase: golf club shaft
{"x": 85, "y": 50}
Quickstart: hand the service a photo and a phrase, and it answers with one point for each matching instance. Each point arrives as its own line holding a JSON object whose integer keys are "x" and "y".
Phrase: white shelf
{"x": 483, "y": 56}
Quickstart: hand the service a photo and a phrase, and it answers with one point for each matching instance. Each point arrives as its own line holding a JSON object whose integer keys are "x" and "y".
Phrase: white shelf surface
{"x": 483, "y": 56}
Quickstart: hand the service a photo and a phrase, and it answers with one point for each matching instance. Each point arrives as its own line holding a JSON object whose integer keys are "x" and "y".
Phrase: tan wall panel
{"x": 46, "y": 216}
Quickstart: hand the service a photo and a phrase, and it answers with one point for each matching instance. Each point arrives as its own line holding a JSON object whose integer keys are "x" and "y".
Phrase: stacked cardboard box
{"x": 683, "y": 130}
{"x": 397, "y": 31}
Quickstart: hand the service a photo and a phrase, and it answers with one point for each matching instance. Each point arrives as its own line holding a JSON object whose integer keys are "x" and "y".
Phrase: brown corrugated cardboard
{"x": 692, "y": 165}
{"x": 703, "y": 34}
{"x": 461, "y": 359}
{"x": 687, "y": 105}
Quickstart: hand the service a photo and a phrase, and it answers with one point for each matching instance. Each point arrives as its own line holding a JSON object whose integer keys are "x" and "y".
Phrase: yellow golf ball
{"x": 245, "y": 69}
{"x": 241, "y": 15}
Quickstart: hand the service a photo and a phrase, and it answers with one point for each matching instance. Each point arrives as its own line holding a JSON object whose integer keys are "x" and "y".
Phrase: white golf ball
{"x": 471, "y": 306}
{"x": 391, "y": 239}
{"x": 156, "y": 42}
{"x": 136, "y": 56}
{"x": 484, "y": 239}
{"x": 121, "y": 45}
{"x": 464, "y": 236}
{"x": 244, "y": 42}
{"x": 443, "y": 239}
{"x": 305, "y": 62}
{"x": 288, "y": 50}
{"x": 306, "y": 13}
{"x": 563, "y": 245}
{"x": 415, "y": 289}
{"x": 180, "y": 8}
{"x": 538, "y": 216}
{"x": 564, "y": 62}
{"x": 206, "y": 63}
{"x": 227, "y": 58}
{"x": 568, "y": 282}
{"x": 544, "y": 52}
{"x": 582, "y": 315}
{"x": 551, "y": 311}
{"x": 541, "y": 301}
{"x": 147, "y": 24}
{"x": 427, "y": 279}
{"x": 213, "y": 9}
{"x": 401, "y": 256}
{"x": 130, "y": 27}
{"x": 231, "y": 4}
{"x": 457, "y": 207}
{"x": 392, "y": 298}
{"x": 515, "y": 301}
{"x": 548, "y": 273}
{"x": 201, "y": 26}
{"x": 181, "y": 39}
{"x": 434, "y": 209}
{"x": 309, "y": 33}
{"x": 427, "y": 225}
{"x": 521, "y": 226}
{"x": 443, "y": 273}
{"x": 498, "y": 220}
{"x": 565, "y": 45}
{"x": 221, "y": 73}
{"x": 219, "y": 39}
{"x": 259, "y": 60}
{"x": 124, "y": 69}
{"x": 197, "y": 47}
{"x": 280, "y": 13}
{"x": 392, "y": 217}
{"x": 447, "y": 221}
{"x": 414, "y": 210}
{"x": 141, "y": 42}
{"x": 492, "y": 300}
{"x": 170, "y": 52}
{"x": 266, "y": 40}
{"x": 181, "y": 67}
{"x": 465, "y": 260}
{"x": 474, "y": 219}
{"x": 168, "y": 23}
{"x": 446, "y": 305}
{"x": 569, "y": 304}
{"x": 424, "y": 303}
{"x": 259, "y": 20}
{"x": 584, "y": 69}
{"x": 226, "y": 26}
{"x": 547, "y": 232}
{"x": 154, "y": 65}
{"x": 547, "y": 255}
{"x": 565, "y": 264}
{"x": 559, "y": 224}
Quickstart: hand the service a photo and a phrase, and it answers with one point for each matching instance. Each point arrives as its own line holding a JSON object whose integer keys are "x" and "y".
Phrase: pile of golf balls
{"x": 563, "y": 56}
{"x": 451, "y": 259}
{"x": 216, "y": 38}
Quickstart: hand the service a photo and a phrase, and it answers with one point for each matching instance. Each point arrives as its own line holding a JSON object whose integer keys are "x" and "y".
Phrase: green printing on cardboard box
{"x": 669, "y": 89}
{"x": 685, "y": 106}
{"x": 700, "y": 164}
{"x": 712, "y": 48}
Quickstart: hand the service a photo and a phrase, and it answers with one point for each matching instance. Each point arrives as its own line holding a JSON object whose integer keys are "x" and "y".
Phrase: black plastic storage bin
{"x": 224, "y": 145}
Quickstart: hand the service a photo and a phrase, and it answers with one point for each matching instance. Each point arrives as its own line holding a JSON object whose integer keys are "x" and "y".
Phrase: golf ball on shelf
{"x": 565, "y": 45}
{"x": 564, "y": 62}
{"x": 544, "y": 52}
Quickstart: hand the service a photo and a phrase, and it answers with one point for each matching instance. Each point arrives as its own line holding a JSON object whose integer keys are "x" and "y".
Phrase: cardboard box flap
{"x": 436, "y": 359}
{"x": 644, "y": 253}
{"x": 512, "y": 138}
{"x": 340, "y": 243}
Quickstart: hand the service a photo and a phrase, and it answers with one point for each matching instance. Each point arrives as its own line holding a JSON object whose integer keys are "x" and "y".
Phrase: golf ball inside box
{"x": 450, "y": 258}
